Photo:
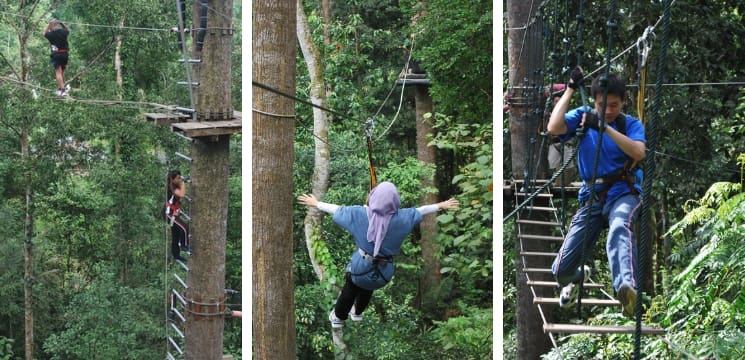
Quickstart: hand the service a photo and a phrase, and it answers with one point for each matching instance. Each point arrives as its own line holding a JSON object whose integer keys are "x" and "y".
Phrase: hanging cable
{"x": 643, "y": 47}
{"x": 650, "y": 168}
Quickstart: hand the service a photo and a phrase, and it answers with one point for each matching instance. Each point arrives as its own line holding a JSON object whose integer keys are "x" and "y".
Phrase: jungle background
{"x": 360, "y": 54}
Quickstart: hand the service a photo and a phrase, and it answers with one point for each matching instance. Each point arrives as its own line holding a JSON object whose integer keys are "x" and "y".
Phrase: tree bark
{"x": 210, "y": 169}
{"x": 326, "y": 13}
{"x": 118, "y": 61}
{"x": 531, "y": 341}
{"x": 274, "y": 52}
{"x": 320, "y": 181}
{"x": 429, "y": 282}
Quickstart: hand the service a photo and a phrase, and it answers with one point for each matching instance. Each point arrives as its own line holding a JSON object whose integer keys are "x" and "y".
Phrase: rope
{"x": 306, "y": 102}
{"x": 650, "y": 168}
{"x": 91, "y": 25}
{"x": 401, "y": 98}
{"x": 643, "y": 47}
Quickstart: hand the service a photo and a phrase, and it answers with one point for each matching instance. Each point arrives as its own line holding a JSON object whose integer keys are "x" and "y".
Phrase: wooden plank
{"x": 537, "y": 270}
{"x": 409, "y": 82}
{"x": 541, "y": 237}
{"x": 538, "y": 222}
{"x": 590, "y": 302}
{"x": 166, "y": 118}
{"x": 555, "y": 285}
{"x": 208, "y": 128}
{"x": 538, "y": 253}
{"x": 540, "y": 208}
{"x": 599, "y": 329}
{"x": 539, "y": 195}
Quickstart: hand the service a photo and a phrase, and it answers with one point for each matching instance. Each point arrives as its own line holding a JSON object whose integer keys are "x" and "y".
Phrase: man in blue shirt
{"x": 617, "y": 187}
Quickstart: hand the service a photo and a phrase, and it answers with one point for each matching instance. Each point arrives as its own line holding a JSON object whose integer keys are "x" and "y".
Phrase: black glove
{"x": 576, "y": 78}
{"x": 591, "y": 121}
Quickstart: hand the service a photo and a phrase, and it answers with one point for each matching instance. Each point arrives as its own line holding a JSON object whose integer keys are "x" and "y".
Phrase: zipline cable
{"x": 650, "y": 168}
{"x": 306, "y": 102}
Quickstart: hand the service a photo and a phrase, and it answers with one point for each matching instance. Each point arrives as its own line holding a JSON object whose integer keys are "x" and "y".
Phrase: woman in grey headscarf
{"x": 378, "y": 230}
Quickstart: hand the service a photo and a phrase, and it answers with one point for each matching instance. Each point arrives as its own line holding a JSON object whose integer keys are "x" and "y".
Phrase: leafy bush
{"x": 468, "y": 336}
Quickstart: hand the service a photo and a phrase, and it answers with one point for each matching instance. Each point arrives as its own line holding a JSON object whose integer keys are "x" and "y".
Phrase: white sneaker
{"x": 336, "y": 323}
{"x": 353, "y": 315}
{"x": 569, "y": 293}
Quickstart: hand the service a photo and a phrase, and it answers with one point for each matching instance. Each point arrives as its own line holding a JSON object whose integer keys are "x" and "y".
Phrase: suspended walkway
{"x": 540, "y": 233}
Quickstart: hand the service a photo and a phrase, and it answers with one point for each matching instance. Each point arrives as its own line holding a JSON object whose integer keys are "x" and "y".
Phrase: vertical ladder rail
{"x": 554, "y": 341}
{"x": 186, "y": 56}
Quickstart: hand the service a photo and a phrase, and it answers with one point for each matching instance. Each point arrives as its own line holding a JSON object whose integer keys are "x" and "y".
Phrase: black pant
{"x": 351, "y": 294}
{"x": 179, "y": 236}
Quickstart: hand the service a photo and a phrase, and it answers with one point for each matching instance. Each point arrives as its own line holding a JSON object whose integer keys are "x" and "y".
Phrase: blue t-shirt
{"x": 354, "y": 219}
{"x": 612, "y": 158}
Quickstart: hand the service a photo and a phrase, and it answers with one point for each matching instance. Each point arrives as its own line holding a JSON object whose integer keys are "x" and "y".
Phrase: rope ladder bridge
{"x": 538, "y": 216}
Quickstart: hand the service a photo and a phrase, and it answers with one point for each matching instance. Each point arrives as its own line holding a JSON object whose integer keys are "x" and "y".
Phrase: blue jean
{"x": 619, "y": 216}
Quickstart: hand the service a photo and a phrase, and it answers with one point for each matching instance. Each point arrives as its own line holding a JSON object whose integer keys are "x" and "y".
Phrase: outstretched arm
{"x": 445, "y": 205}
{"x": 311, "y": 201}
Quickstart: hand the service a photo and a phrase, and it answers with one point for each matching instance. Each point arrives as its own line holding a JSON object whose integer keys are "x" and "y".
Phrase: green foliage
{"x": 466, "y": 235}
{"x": 6, "y": 348}
{"x": 112, "y": 325}
{"x": 408, "y": 176}
{"x": 468, "y": 336}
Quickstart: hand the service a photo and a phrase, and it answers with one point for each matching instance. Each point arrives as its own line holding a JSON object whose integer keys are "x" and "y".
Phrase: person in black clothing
{"x": 57, "y": 32}
{"x": 176, "y": 190}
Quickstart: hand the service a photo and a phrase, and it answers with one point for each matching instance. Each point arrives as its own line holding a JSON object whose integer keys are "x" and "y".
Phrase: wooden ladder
{"x": 531, "y": 230}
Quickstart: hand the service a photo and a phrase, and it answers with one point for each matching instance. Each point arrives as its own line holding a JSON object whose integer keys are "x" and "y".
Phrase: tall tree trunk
{"x": 28, "y": 248}
{"x": 326, "y": 13}
{"x": 210, "y": 169}
{"x": 320, "y": 180}
{"x": 429, "y": 282}
{"x": 274, "y": 52}
{"x": 531, "y": 341}
{"x": 118, "y": 62}
{"x": 28, "y": 255}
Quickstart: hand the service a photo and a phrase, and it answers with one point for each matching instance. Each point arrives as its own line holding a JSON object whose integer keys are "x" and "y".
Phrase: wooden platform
{"x": 413, "y": 79}
{"x": 166, "y": 118}
{"x": 598, "y": 329}
{"x": 179, "y": 122}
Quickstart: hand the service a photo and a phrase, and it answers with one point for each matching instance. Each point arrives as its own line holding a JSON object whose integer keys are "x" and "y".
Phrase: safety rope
{"x": 643, "y": 47}
{"x": 649, "y": 170}
{"x": 369, "y": 128}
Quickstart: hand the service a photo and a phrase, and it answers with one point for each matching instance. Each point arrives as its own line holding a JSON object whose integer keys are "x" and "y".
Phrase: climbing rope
{"x": 643, "y": 47}
{"x": 650, "y": 168}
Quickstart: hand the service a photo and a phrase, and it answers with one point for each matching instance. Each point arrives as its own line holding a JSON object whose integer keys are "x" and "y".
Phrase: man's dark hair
{"x": 615, "y": 85}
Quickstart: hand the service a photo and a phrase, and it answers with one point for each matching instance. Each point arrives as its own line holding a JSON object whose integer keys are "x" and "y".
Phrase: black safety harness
{"x": 376, "y": 261}
{"x": 626, "y": 174}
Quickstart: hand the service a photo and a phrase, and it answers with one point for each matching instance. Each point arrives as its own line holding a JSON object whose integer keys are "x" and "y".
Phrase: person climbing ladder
{"x": 176, "y": 190}
{"x": 378, "y": 230}
{"x": 56, "y": 32}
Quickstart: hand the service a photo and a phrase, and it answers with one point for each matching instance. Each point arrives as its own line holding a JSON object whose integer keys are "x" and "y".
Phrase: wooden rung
{"x": 555, "y": 285}
{"x": 520, "y": 181}
{"x": 590, "y": 302}
{"x": 538, "y": 222}
{"x": 540, "y": 208}
{"x": 537, "y": 270}
{"x": 538, "y": 253}
{"x": 539, "y": 195}
{"x": 598, "y": 329}
{"x": 541, "y": 237}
